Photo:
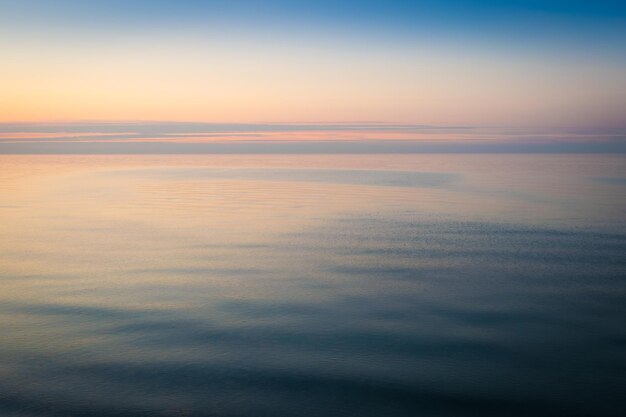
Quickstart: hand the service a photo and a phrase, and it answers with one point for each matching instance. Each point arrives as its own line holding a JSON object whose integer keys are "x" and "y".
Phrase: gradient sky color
{"x": 509, "y": 63}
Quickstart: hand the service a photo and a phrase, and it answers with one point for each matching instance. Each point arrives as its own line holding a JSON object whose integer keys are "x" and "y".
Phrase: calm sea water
{"x": 389, "y": 285}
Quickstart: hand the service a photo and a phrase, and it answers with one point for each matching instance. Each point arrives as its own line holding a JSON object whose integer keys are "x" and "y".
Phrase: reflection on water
{"x": 312, "y": 285}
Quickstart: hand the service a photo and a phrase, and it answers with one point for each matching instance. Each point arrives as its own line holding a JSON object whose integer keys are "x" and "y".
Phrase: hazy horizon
{"x": 186, "y": 137}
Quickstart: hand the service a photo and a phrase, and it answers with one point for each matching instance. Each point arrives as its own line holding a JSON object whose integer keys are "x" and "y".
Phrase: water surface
{"x": 352, "y": 285}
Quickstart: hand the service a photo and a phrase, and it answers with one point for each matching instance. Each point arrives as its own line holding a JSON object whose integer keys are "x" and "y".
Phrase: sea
{"x": 313, "y": 285}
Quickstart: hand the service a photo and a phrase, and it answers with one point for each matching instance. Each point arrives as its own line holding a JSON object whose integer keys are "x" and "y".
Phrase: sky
{"x": 491, "y": 64}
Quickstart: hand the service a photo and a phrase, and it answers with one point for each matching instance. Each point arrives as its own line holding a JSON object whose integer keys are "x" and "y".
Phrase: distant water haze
{"x": 141, "y": 137}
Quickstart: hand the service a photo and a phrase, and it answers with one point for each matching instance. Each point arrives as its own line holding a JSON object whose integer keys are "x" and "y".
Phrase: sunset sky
{"x": 523, "y": 64}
